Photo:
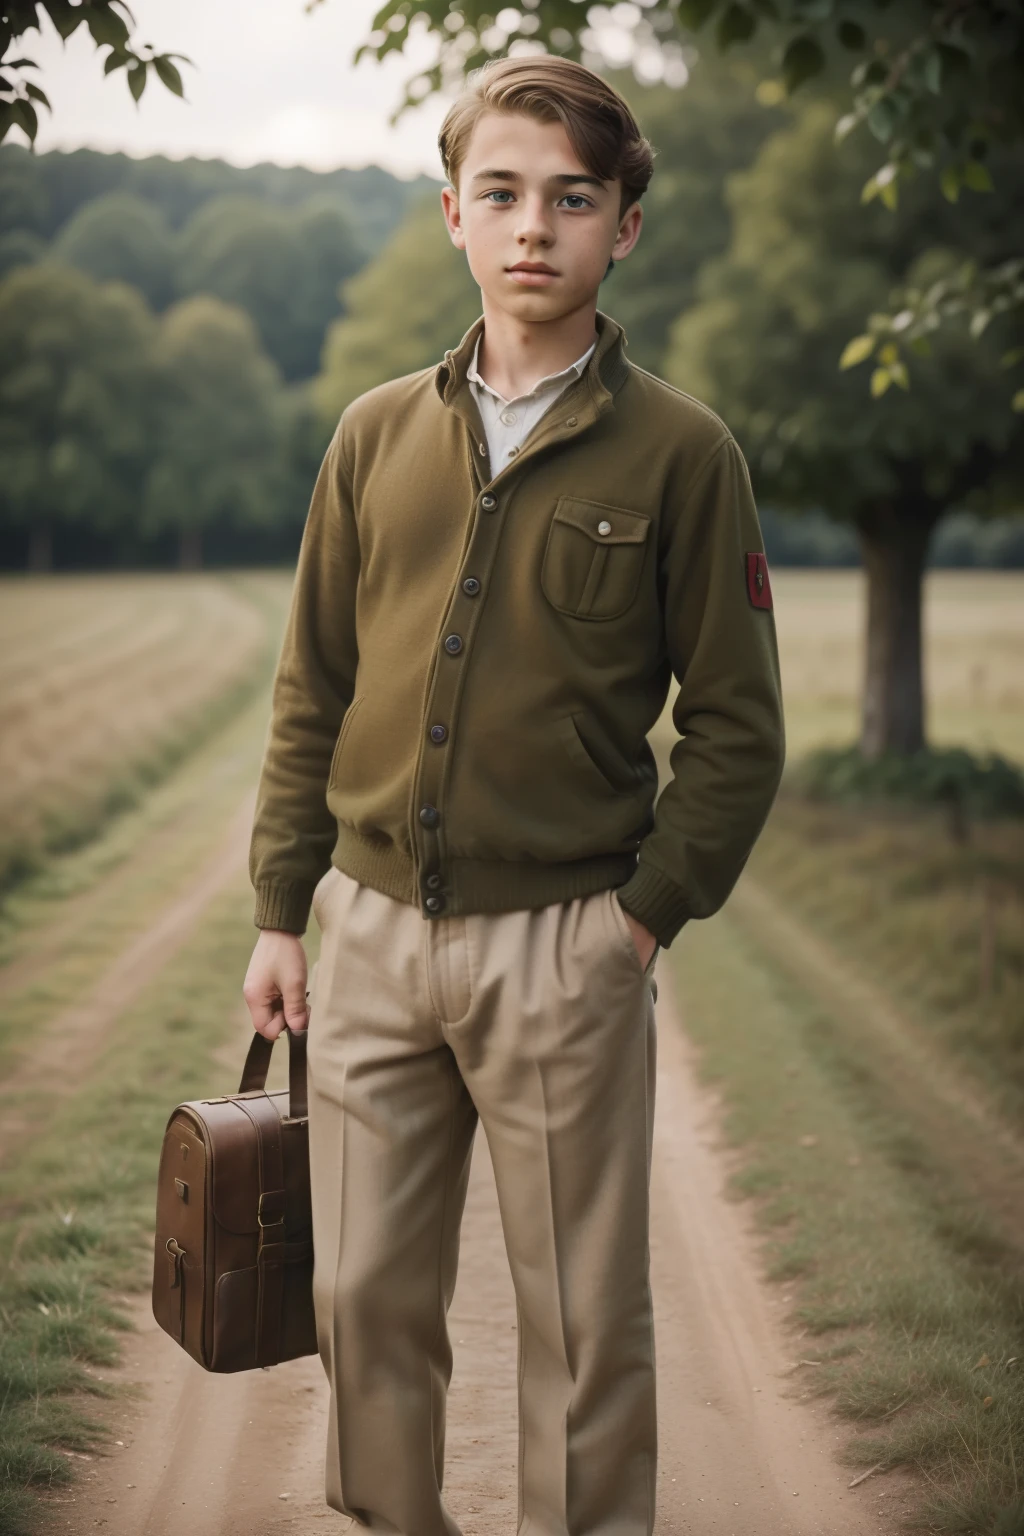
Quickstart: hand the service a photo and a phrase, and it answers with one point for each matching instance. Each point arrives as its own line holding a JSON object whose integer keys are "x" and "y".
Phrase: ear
{"x": 629, "y": 231}
{"x": 452, "y": 217}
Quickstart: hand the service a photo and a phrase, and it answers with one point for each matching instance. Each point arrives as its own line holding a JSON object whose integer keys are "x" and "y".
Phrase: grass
{"x": 75, "y": 1232}
{"x": 900, "y": 1288}
{"x": 940, "y": 922}
{"x": 106, "y": 683}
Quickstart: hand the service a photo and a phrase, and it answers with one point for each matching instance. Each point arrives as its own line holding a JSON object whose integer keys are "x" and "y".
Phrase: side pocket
{"x": 581, "y": 758}
{"x": 346, "y": 723}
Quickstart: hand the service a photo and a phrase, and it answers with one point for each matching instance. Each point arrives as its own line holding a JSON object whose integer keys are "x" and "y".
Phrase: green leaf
{"x": 106, "y": 26}
{"x": 949, "y": 181}
{"x": 979, "y": 322}
{"x": 889, "y": 192}
{"x": 137, "y": 78}
{"x": 898, "y": 373}
{"x": 852, "y": 35}
{"x": 20, "y": 64}
{"x": 846, "y": 125}
{"x": 880, "y": 381}
{"x": 933, "y": 72}
{"x": 1012, "y": 358}
{"x": 870, "y": 189}
{"x": 921, "y": 345}
{"x": 1017, "y": 403}
{"x": 977, "y": 176}
{"x": 36, "y": 94}
{"x": 857, "y": 351}
{"x": 735, "y": 26}
{"x": 889, "y": 354}
{"x": 694, "y": 13}
{"x": 803, "y": 58}
{"x": 65, "y": 17}
{"x": 882, "y": 118}
{"x": 115, "y": 60}
{"x": 168, "y": 73}
{"x": 6, "y": 119}
{"x": 24, "y": 114}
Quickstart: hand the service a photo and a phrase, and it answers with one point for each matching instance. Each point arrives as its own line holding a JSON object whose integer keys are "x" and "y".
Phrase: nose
{"x": 534, "y": 227}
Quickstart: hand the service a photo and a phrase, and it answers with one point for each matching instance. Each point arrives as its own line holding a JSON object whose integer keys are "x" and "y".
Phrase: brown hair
{"x": 601, "y": 128}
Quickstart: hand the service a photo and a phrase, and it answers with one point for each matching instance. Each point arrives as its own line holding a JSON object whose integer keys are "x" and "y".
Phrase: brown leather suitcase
{"x": 233, "y": 1259}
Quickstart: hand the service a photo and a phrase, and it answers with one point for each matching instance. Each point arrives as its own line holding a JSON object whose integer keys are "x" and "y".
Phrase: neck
{"x": 514, "y": 354}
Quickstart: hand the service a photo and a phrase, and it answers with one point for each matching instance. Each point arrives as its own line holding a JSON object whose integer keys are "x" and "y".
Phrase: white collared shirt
{"x": 508, "y": 423}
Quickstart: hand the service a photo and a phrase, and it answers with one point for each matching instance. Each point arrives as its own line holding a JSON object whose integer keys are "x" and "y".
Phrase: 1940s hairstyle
{"x": 601, "y": 128}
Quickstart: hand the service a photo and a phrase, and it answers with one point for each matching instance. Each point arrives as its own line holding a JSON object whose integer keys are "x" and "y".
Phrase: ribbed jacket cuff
{"x": 284, "y": 905}
{"x": 656, "y": 901}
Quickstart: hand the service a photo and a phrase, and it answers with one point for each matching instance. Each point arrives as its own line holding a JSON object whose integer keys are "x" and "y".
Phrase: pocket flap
{"x": 605, "y": 525}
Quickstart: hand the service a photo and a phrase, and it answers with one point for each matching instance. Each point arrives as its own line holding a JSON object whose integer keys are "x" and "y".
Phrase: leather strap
{"x": 257, "y": 1065}
{"x": 271, "y": 1251}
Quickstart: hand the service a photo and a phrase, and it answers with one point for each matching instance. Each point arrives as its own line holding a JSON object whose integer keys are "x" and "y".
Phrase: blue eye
{"x": 500, "y": 192}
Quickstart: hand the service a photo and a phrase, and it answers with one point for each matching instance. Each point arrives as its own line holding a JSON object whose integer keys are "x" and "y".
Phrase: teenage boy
{"x": 507, "y": 558}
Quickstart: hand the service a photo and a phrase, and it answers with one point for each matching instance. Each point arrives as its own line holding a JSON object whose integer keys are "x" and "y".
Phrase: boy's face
{"x": 537, "y": 227}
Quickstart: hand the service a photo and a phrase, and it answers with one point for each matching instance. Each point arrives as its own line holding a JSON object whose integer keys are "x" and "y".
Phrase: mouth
{"x": 531, "y": 273}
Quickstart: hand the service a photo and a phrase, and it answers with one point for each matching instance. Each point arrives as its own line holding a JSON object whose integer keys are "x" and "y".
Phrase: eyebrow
{"x": 563, "y": 178}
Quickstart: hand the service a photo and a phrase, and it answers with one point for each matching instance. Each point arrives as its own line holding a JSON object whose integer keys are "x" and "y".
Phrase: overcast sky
{"x": 271, "y": 82}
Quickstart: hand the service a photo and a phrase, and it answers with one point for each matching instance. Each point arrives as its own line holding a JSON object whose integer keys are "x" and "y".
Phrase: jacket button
{"x": 433, "y": 882}
{"x": 438, "y": 733}
{"x": 434, "y": 904}
{"x": 572, "y": 421}
{"x": 453, "y": 644}
{"x": 471, "y": 586}
{"x": 604, "y": 527}
{"x": 488, "y": 502}
{"x": 430, "y": 815}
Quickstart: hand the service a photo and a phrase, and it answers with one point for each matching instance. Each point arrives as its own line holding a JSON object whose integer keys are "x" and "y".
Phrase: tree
{"x": 120, "y": 238}
{"x": 218, "y": 436}
{"x": 760, "y": 347}
{"x": 105, "y": 19}
{"x": 403, "y": 310}
{"x": 75, "y": 387}
{"x": 714, "y": 127}
{"x": 283, "y": 267}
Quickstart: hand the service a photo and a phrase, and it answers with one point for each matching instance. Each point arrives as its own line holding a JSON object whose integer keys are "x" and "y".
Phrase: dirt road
{"x": 741, "y": 1452}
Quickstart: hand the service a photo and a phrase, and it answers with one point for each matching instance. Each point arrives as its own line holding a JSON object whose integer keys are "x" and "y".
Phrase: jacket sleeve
{"x": 727, "y": 762}
{"x": 293, "y": 831}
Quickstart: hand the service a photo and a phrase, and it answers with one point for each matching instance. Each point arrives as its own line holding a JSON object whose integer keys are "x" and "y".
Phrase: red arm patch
{"x": 759, "y": 588}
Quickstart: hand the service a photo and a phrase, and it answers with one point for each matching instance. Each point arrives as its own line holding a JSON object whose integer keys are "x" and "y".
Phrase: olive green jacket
{"x": 475, "y": 655}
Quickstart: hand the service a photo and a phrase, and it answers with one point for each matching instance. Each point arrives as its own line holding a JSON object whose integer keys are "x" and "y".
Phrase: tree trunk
{"x": 894, "y": 543}
{"x": 190, "y": 549}
{"x": 40, "y": 547}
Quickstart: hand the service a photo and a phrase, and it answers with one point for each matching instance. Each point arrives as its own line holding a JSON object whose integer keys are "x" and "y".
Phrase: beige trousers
{"x": 540, "y": 1023}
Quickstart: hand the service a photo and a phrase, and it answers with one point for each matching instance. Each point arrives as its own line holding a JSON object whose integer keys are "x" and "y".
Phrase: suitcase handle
{"x": 257, "y": 1065}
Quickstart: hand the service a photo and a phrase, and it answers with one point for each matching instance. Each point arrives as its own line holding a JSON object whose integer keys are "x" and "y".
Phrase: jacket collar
{"x": 589, "y": 397}
{"x": 605, "y": 372}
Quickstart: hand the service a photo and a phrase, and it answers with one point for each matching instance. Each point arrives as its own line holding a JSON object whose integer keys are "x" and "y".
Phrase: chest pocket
{"x": 593, "y": 559}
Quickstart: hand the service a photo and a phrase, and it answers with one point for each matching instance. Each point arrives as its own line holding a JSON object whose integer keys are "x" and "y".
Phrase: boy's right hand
{"x": 275, "y": 983}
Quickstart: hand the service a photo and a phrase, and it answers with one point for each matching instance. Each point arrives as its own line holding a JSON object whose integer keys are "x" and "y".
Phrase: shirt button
{"x": 509, "y": 418}
{"x": 488, "y": 502}
{"x": 512, "y": 452}
{"x": 604, "y": 527}
{"x": 434, "y": 904}
{"x": 433, "y": 882}
{"x": 453, "y": 644}
{"x": 471, "y": 586}
{"x": 482, "y": 447}
{"x": 438, "y": 733}
{"x": 429, "y": 815}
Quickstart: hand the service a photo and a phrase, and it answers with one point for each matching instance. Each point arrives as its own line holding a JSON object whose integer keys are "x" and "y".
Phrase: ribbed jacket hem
{"x": 656, "y": 901}
{"x": 479, "y": 885}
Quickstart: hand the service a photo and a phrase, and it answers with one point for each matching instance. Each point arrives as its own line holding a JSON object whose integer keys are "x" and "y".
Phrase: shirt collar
{"x": 573, "y": 371}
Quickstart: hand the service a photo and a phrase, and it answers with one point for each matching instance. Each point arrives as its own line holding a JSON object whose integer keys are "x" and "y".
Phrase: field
{"x": 857, "y": 1007}
{"x": 104, "y": 685}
